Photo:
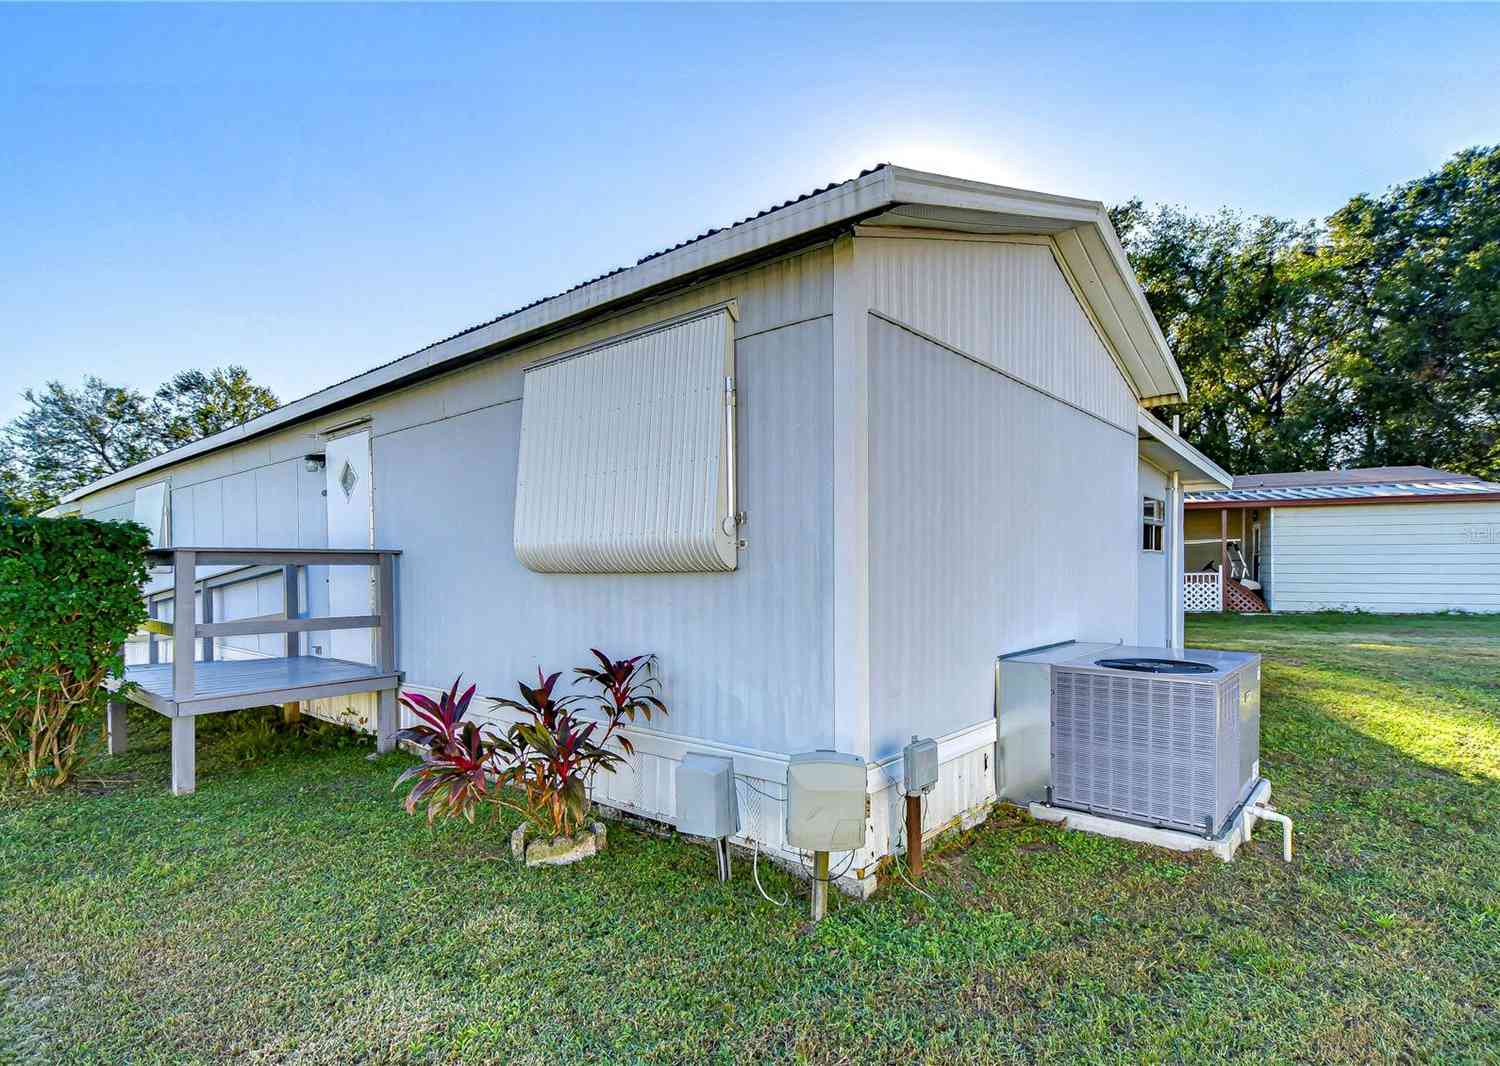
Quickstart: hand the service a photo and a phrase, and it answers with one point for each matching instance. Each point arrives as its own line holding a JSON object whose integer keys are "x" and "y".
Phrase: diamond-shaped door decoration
{"x": 348, "y": 479}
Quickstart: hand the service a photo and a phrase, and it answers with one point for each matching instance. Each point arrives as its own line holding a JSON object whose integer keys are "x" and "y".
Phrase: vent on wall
{"x": 626, "y": 459}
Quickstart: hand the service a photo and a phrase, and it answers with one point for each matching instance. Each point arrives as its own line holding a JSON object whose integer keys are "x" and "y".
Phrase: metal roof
{"x": 1365, "y": 475}
{"x": 1459, "y": 486}
{"x": 1085, "y": 239}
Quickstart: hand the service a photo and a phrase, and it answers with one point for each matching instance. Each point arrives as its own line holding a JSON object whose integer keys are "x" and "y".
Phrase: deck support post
{"x": 184, "y": 755}
{"x": 114, "y": 726}
{"x": 385, "y": 651}
{"x": 385, "y": 721}
{"x": 206, "y": 600}
{"x": 291, "y": 608}
{"x": 184, "y": 623}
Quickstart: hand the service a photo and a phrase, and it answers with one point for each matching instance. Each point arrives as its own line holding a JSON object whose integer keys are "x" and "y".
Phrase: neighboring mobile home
{"x": 828, "y": 463}
{"x": 1391, "y": 538}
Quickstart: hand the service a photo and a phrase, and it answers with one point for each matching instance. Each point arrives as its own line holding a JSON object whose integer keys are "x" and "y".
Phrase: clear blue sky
{"x": 311, "y": 191}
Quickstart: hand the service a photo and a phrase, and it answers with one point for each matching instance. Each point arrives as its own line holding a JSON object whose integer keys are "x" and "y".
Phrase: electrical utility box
{"x": 707, "y": 803}
{"x": 825, "y": 801}
{"x": 919, "y": 766}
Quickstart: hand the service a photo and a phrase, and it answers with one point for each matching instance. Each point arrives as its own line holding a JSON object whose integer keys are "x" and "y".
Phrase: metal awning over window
{"x": 627, "y": 454}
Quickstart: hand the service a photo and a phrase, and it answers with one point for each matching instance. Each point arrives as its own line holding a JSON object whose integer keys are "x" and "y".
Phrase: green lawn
{"x": 290, "y": 912}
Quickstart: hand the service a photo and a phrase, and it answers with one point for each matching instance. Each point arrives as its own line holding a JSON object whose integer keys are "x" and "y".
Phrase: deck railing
{"x": 232, "y": 686}
{"x": 186, "y": 630}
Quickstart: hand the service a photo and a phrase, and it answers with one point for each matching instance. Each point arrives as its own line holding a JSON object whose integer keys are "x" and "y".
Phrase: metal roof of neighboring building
{"x": 1377, "y": 484}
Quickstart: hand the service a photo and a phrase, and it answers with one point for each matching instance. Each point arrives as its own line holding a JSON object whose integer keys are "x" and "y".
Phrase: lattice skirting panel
{"x": 1201, "y": 592}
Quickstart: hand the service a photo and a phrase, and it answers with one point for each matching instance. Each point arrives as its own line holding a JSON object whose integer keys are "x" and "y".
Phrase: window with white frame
{"x": 627, "y": 454}
{"x": 1153, "y": 520}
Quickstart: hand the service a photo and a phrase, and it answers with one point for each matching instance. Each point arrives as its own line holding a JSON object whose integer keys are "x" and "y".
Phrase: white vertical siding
{"x": 745, "y": 655}
{"x": 1000, "y": 520}
{"x": 1403, "y": 558}
{"x": 1154, "y": 620}
{"x": 1008, "y": 305}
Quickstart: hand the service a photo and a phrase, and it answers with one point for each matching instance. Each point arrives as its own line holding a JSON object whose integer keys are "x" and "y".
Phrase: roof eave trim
{"x": 1165, "y": 382}
{"x": 843, "y": 203}
{"x": 1208, "y": 471}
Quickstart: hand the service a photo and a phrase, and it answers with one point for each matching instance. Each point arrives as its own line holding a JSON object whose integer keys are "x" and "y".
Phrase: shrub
{"x": 542, "y": 766}
{"x": 70, "y": 594}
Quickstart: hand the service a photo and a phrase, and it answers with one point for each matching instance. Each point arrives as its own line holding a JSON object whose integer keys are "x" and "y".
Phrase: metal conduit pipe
{"x": 1259, "y": 811}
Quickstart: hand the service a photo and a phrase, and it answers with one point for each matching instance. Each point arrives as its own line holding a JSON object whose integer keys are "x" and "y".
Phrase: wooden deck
{"x": 187, "y": 687}
{"x": 234, "y": 684}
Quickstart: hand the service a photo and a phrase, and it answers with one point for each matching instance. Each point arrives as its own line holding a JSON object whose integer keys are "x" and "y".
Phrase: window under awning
{"x": 627, "y": 454}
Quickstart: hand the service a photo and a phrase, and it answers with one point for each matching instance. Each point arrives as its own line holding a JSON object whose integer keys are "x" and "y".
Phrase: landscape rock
{"x": 560, "y": 851}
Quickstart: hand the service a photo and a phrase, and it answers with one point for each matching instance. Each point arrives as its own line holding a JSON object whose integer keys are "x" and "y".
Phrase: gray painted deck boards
{"x": 231, "y": 684}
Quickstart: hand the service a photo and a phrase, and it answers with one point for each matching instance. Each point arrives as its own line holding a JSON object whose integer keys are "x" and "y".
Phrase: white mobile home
{"x": 828, "y": 463}
{"x": 1394, "y": 539}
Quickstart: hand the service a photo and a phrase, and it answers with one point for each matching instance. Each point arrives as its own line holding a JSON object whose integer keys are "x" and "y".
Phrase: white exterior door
{"x": 351, "y": 589}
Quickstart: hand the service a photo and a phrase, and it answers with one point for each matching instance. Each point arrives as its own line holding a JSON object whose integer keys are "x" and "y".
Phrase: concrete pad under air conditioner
{"x": 1235, "y": 832}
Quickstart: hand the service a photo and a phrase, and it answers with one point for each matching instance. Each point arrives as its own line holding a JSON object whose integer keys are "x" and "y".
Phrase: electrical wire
{"x": 759, "y": 791}
{"x": 755, "y": 846}
{"x": 801, "y": 855}
{"x": 899, "y": 863}
{"x": 755, "y": 876}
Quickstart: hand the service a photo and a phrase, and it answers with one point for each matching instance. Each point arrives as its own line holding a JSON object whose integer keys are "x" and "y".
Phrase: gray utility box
{"x": 1165, "y": 737}
{"x": 825, "y": 801}
{"x": 707, "y": 802}
{"x": 919, "y": 766}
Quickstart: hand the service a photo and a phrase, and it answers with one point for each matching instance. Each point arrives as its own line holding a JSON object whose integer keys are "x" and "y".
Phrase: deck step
{"x": 1242, "y": 599}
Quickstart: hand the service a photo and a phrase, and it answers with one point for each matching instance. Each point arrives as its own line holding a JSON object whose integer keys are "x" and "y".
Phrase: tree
{"x": 10, "y": 481}
{"x": 67, "y": 438}
{"x": 1371, "y": 340}
{"x": 1242, "y": 303}
{"x": 197, "y": 404}
{"x": 1418, "y": 306}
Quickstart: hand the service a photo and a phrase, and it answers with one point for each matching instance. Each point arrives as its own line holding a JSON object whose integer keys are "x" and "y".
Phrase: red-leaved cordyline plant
{"x": 451, "y": 775}
{"x": 540, "y": 766}
{"x": 626, "y": 686}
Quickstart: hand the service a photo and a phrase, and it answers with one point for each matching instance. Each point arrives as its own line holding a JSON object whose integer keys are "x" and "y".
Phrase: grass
{"x": 290, "y": 912}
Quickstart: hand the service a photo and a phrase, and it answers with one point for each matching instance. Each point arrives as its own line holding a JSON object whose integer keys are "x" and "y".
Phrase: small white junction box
{"x": 825, "y": 801}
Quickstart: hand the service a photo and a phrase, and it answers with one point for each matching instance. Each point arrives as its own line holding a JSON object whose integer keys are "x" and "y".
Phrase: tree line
{"x": 67, "y": 437}
{"x": 1370, "y": 338}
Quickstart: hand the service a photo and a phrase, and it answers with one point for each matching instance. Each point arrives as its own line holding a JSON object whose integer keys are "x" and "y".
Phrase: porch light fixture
{"x": 314, "y": 462}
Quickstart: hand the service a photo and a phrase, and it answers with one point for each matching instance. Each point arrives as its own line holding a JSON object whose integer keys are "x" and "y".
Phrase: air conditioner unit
{"x": 1092, "y": 728}
{"x": 1164, "y": 737}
